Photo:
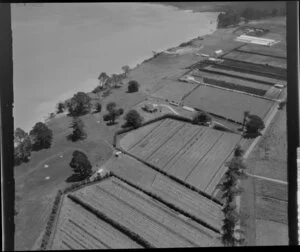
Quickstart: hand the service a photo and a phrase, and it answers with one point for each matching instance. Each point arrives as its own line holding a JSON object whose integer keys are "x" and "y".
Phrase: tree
{"x": 103, "y": 78}
{"x": 78, "y": 130}
{"x": 80, "y": 164}
{"x": 41, "y": 136}
{"x": 126, "y": 70}
{"x": 98, "y": 107}
{"x": 113, "y": 112}
{"x": 60, "y": 108}
{"x": 23, "y": 146}
{"x": 133, "y": 118}
{"x": 254, "y": 124}
{"x": 133, "y": 86}
{"x": 80, "y": 104}
{"x": 202, "y": 118}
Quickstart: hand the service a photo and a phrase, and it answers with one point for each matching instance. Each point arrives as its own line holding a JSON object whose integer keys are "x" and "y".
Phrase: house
{"x": 149, "y": 108}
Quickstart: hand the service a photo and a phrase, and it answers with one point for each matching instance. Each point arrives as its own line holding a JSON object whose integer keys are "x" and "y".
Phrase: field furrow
{"x": 145, "y": 148}
{"x": 162, "y": 155}
{"x": 210, "y": 164}
{"x": 186, "y": 162}
{"x": 128, "y": 141}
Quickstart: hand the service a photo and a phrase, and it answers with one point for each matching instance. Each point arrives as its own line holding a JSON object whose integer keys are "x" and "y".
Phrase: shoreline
{"x": 45, "y": 117}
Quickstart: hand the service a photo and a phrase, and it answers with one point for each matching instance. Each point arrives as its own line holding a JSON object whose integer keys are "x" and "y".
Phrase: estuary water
{"x": 59, "y": 49}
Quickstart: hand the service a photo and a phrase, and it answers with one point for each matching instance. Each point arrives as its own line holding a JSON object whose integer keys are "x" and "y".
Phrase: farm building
{"x": 149, "y": 108}
{"x": 256, "y": 40}
{"x": 113, "y": 214}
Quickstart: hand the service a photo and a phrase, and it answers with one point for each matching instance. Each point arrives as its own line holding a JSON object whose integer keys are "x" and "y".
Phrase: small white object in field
{"x": 47, "y": 177}
{"x": 46, "y": 166}
{"x": 98, "y": 121}
{"x": 61, "y": 156}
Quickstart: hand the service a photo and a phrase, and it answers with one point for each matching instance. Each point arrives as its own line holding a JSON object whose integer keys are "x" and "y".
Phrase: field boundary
{"x": 262, "y": 54}
{"x": 132, "y": 235}
{"x": 168, "y": 204}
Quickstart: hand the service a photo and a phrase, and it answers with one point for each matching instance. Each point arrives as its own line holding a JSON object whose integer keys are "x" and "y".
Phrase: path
{"x": 167, "y": 106}
{"x": 269, "y": 179}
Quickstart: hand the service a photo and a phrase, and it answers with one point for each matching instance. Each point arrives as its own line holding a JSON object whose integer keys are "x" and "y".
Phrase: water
{"x": 59, "y": 49}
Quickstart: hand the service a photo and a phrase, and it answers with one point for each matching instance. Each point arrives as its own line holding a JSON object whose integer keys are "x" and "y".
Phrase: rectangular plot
{"x": 225, "y": 103}
{"x": 256, "y": 59}
{"x": 276, "y": 50}
{"x": 185, "y": 163}
{"x": 145, "y": 149}
{"x": 173, "y": 146}
{"x": 271, "y": 189}
{"x": 201, "y": 176}
{"x": 133, "y": 137}
{"x": 190, "y": 201}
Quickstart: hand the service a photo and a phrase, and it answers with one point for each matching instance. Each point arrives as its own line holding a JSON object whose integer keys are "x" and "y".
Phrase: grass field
{"x": 256, "y": 59}
{"x": 192, "y": 153}
{"x": 152, "y": 220}
{"x": 78, "y": 228}
{"x": 173, "y": 90}
{"x": 225, "y": 103}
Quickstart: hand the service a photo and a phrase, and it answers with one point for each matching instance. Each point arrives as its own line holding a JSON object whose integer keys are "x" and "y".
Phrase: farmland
{"x": 153, "y": 221}
{"x": 277, "y": 50}
{"x": 194, "y": 154}
{"x": 173, "y": 90}
{"x": 225, "y": 103}
{"x": 168, "y": 189}
{"x": 256, "y": 59}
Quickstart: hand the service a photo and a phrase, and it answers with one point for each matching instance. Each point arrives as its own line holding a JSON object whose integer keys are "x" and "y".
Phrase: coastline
{"x": 43, "y": 116}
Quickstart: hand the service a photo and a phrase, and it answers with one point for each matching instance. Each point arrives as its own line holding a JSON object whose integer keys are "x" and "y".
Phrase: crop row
{"x": 247, "y": 67}
{"x": 118, "y": 209}
{"x": 134, "y": 236}
{"x": 146, "y": 147}
{"x": 168, "y": 151}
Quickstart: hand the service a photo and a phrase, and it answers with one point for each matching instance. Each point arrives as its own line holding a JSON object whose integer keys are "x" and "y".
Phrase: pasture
{"x": 138, "y": 212}
{"x": 192, "y": 153}
{"x": 256, "y": 59}
{"x": 78, "y": 228}
{"x": 173, "y": 90}
{"x": 226, "y": 103}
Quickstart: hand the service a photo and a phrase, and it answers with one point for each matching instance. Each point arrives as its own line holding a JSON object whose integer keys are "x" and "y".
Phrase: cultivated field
{"x": 153, "y": 221}
{"x": 260, "y": 79}
{"x": 192, "y": 153}
{"x": 168, "y": 189}
{"x": 225, "y": 103}
{"x": 256, "y": 59}
{"x": 173, "y": 90}
{"x": 233, "y": 80}
{"x": 277, "y": 50}
{"x": 78, "y": 228}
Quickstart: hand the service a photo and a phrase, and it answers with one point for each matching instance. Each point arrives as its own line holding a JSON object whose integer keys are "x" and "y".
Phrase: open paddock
{"x": 228, "y": 104}
{"x": 78, "y": 228}
{"x": 192, "y": 153}
{"x": 138, "y": 212}
{"x": 173, "y": 90}
{"x": 271, "y": 189}
{"x": 256, "y": 59}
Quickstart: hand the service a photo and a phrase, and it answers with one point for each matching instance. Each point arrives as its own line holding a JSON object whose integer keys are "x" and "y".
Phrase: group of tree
{"x": 252, "y": 125}
{"x": 233, "y": 17}
{"x": 80, "y": 164}
{"x": 113, "y": 112}
{"x": 133, "y": 86}
{"x": 78, "y": 132}
{"x": 40, "y": 137}
{"x": 80, "y": 104}
{"x": 230, "y": 188}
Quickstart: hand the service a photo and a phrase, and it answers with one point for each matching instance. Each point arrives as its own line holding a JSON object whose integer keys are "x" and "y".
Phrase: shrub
{"x": 254, "y": 124}
{"x": 78, "y": 130}
{"x": 42, "y": 136}
{"x": 80, "y": 104}
{"x": 80, "y": 164}
{"x": 133, "y": 86}
{"x": 60, "y": 108}
{"x": 202, "y": 118}
{"x": 98, "y": 107}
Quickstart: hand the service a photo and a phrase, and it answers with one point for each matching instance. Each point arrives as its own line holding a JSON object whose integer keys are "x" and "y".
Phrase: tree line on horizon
{"x": 233, "y": 17}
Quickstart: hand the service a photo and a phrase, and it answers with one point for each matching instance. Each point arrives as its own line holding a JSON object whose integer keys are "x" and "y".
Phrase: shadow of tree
{"x": 111, "y": 123}
{"x": 75, "y": 178}
{"x": 251, "y": 135}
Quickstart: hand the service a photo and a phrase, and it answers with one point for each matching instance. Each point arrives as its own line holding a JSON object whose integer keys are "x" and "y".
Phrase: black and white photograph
{"x": 150, "y": 125}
